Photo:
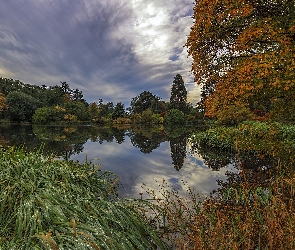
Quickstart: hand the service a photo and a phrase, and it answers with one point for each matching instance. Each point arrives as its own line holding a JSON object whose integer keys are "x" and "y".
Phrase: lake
{"x": 136, "y": 155}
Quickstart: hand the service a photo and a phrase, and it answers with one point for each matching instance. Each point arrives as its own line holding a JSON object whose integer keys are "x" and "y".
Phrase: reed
{"x": 51, "y": 204}
{"x": 239, "y": 218}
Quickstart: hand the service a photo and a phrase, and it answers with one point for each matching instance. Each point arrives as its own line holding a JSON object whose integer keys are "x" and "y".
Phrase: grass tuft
{"x": 46, "y": 203}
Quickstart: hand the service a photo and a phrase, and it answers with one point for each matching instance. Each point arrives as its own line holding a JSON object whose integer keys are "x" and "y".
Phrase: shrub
{"x": 174, "y": 116}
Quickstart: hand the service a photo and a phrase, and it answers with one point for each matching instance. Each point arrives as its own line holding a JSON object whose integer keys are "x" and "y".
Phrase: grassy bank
{"x": 52, "y": 204}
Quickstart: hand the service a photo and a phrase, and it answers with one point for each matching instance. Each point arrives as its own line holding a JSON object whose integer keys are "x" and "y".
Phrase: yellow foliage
{"x": 241, "y": 57}
{"x": 3, "y": 104}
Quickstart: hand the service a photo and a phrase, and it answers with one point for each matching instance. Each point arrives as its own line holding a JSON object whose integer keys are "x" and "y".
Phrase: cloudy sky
{"x": 109, "y": 49}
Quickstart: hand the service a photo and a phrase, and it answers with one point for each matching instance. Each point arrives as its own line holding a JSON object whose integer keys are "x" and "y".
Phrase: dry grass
{"x": 248, "y": 218}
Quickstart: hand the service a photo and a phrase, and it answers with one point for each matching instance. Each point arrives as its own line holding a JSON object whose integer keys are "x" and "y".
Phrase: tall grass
{"x": 50, "y": 204}
{"x": 241, "y": 217}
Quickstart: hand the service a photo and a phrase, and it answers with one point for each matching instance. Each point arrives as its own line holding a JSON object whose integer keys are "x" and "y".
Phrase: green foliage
{"x": 147, "y": 117}
{"x": 43, "y": 115}
{"x": 265, "y": 138}
{"x": 105, "y": 110}
{"x": 174, "y": 116}
{"x": 178, "y": 96}
{"x": 146, "y": 100}
{"x": 119, "y": 111}
{"x": 93, "y": 111}
{"x": 21, "y": 106}
{"x": 233, "y": 115}
{"x": 52, "y": 204}
{"x": 77, "y": 109}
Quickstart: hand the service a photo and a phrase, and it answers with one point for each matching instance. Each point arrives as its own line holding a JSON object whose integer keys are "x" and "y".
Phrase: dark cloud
{"x": 110, "y": 49}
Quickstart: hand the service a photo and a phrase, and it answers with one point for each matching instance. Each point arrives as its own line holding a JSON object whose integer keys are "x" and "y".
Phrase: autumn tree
{"x": 178, "y": 98}
{"x": 243, "y": 56}
{"x": 3, "y": 104}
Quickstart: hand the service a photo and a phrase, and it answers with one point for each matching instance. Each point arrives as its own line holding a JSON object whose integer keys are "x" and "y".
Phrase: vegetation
{"x": 62, "y": 105}
{"x": 52, "y": 204}
{"x": 243, "y": 57}
{"x": 253, "y": 209}
{"x": 178, "y": 98}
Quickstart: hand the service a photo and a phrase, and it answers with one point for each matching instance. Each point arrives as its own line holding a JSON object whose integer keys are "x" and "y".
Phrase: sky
{"x": 109, "y": 49}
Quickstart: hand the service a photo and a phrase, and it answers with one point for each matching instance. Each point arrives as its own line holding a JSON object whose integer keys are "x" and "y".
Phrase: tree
{"x": 106, "y": 109}
{"x": 119, "y": 111}
{"x": 21, "y": 106}
{"x": 144, "y": 101}
{"x": 178, "y": 96}
{"x": 3, "y": 104}
{"x": 77, "y": 109}
{"x": 174, "y": 116}
{"x": 243, "y": 55}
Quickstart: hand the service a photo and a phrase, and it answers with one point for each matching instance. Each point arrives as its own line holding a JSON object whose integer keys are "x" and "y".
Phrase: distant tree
{"x": 105, "y": 110}
{"x": 119, "y": 111}
{"x": 144, "y": 101}
{"x": 78, "y": 109}
{"x": 93, "y": 111}
{"x": 44, "y": 115}
{"x": 77, "y": 95}
{"x": 3, "y": 104}
{"x": 174, "y": 116}
{"x": 178, "y": 98}
{"x": 21, "y": 106}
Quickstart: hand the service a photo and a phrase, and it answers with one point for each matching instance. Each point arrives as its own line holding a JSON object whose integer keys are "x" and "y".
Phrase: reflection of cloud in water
{"x": 136, "y": 168}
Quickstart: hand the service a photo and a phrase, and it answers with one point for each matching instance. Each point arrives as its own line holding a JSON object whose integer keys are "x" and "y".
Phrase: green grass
{"x": 46, "y": 203}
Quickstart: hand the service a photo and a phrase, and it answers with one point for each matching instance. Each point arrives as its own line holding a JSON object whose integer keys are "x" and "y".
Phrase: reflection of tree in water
{"x": 145, "y": 144}
{"x": 108, "y": 134}
{"x": 214, "y": 158}
{"x": 178, "y": 151}
{"x": 146, "y": 139}
{"x": 19, "y": 135}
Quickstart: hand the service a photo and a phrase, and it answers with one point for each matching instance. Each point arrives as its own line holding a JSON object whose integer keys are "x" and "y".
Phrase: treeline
{"x": 20, "y": 102}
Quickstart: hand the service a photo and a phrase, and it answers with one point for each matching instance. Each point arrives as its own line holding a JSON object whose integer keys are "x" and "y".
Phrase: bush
{"x": 234, "y": 115}
{"x": 174, "y": 116}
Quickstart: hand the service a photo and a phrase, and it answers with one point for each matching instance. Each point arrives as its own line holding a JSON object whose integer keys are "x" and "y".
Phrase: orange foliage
{"x": 3, "y": 104}
{"x": 244, "y": 54}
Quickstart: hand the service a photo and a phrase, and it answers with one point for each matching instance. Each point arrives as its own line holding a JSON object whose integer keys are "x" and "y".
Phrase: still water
{"x": 136, "y": 155}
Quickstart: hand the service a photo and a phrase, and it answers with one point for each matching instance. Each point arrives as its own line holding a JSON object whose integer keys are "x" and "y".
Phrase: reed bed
{"x": 244, "y": 217}
{"x": 46, "y": 203}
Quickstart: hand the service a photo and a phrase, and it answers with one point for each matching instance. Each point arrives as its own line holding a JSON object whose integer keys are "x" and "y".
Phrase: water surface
{"x": 136, "y": 155}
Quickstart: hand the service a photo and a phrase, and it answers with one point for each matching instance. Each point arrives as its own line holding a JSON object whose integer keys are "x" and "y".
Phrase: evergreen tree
{"x": 178, "y": 94}
{"x": 119, "y": 111}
